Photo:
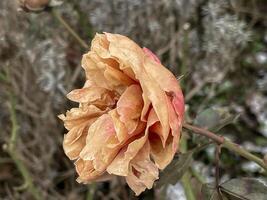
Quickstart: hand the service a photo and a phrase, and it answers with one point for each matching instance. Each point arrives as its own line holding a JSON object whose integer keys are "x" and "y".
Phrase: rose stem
{"x": 69, "y": 29}
{"x": 226, "y": 144}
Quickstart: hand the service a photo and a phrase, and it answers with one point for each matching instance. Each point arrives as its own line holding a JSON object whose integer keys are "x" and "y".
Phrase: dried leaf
{"x": 244, "y": 188}
{"x": 237, "y": 189}
{"x": 214, "y": 119}
{"x": 174, "y": 171}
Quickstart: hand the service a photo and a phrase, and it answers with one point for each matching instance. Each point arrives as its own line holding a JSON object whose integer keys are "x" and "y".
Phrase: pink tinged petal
{"x": 149, "y": 53}
{"x": 100, "y": 134}
{"x": 120, "y": 129}
{"x": 168, "y": 83}
{"x": 74, "y": 141}
{"x": 120, "y": 165}
{"x": 164, "y": 153}
{"x": 129, "y": 53}
{"x": 129, "y": 107}
{"x": 143, "y": 172}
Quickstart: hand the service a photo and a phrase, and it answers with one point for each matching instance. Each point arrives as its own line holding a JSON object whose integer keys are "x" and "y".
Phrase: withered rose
{"x": 129, "y": 117}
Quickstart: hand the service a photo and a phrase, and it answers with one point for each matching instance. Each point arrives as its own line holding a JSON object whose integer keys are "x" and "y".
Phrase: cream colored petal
{"x": 94, "y": 70}
{"x": 88, "y": 174}
{"x": 74, "y": 141}
{"x": 143, "y": 172}
{"x": 77, "y": 116}
{"x": 85, "y": 95}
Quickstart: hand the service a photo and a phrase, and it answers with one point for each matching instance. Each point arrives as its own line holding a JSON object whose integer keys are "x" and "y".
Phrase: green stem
{"x": 226, "y": 144}
{"x": 69, "y": 29}
{"x": 90, "y": 191}
{"x": 242, "y": 152}
{"x": 186, "y": 182}
{"x": 10, "y": 148}
{"x": 189, "y": 193}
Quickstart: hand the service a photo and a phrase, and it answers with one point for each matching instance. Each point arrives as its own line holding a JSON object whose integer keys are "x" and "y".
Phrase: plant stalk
{"x": 69, "y": 29}
{"x": 226, "y": 144}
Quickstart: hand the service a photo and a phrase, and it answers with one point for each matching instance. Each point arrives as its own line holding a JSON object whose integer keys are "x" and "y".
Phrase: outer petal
{"x": 74, "y": 141}
{"x": 101, "y": 134}
{"x": 143, "y": 172}
{"x": 78, "y": 116}
{"x": 87, "y": 173}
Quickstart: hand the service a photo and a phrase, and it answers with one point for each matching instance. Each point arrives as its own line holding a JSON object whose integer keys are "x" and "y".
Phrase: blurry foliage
{"x": 219, "y": 46}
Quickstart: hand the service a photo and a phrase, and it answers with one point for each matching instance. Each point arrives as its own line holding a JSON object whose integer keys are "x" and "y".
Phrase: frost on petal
{"x": 143, "y": 172}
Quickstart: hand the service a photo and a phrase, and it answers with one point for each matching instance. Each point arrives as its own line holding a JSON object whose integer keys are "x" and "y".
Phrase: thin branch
{"x": 226, "y": 144}
{"x": 204, "y": 132}
{"x": 11, "y": 150}
{"x": 69, "y": 29}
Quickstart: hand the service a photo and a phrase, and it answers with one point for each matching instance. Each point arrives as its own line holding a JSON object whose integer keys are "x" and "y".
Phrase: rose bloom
{"x": 129, "y": 117}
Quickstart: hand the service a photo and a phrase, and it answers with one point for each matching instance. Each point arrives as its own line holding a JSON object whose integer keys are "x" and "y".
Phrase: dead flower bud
{"x": 38, "y": 5}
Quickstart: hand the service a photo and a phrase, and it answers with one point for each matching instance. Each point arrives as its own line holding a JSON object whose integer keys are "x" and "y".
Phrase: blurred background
{"x": 218, "y": 47}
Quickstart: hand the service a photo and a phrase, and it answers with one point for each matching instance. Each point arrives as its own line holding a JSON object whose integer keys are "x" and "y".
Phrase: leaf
{"x": 214, "y": 119}
{"x": 236, "y": 189}
{"x": 207, "y": 119}
{"x": 174, "y": 171}
{"x": 244, "y": 188}
{"x": 209, "y": 192}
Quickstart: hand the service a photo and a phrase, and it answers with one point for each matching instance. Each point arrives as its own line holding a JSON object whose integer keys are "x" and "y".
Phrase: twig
{"x": 217, "y": 170}
{"x": 226, "y": 144}
{"x": 69, "y": 29}
{"x": 10, "y": 148}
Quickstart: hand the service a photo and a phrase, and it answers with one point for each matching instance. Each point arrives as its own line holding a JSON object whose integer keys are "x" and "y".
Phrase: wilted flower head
{"x": 38, "y": 5}
{"x": 129, "y": 117}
